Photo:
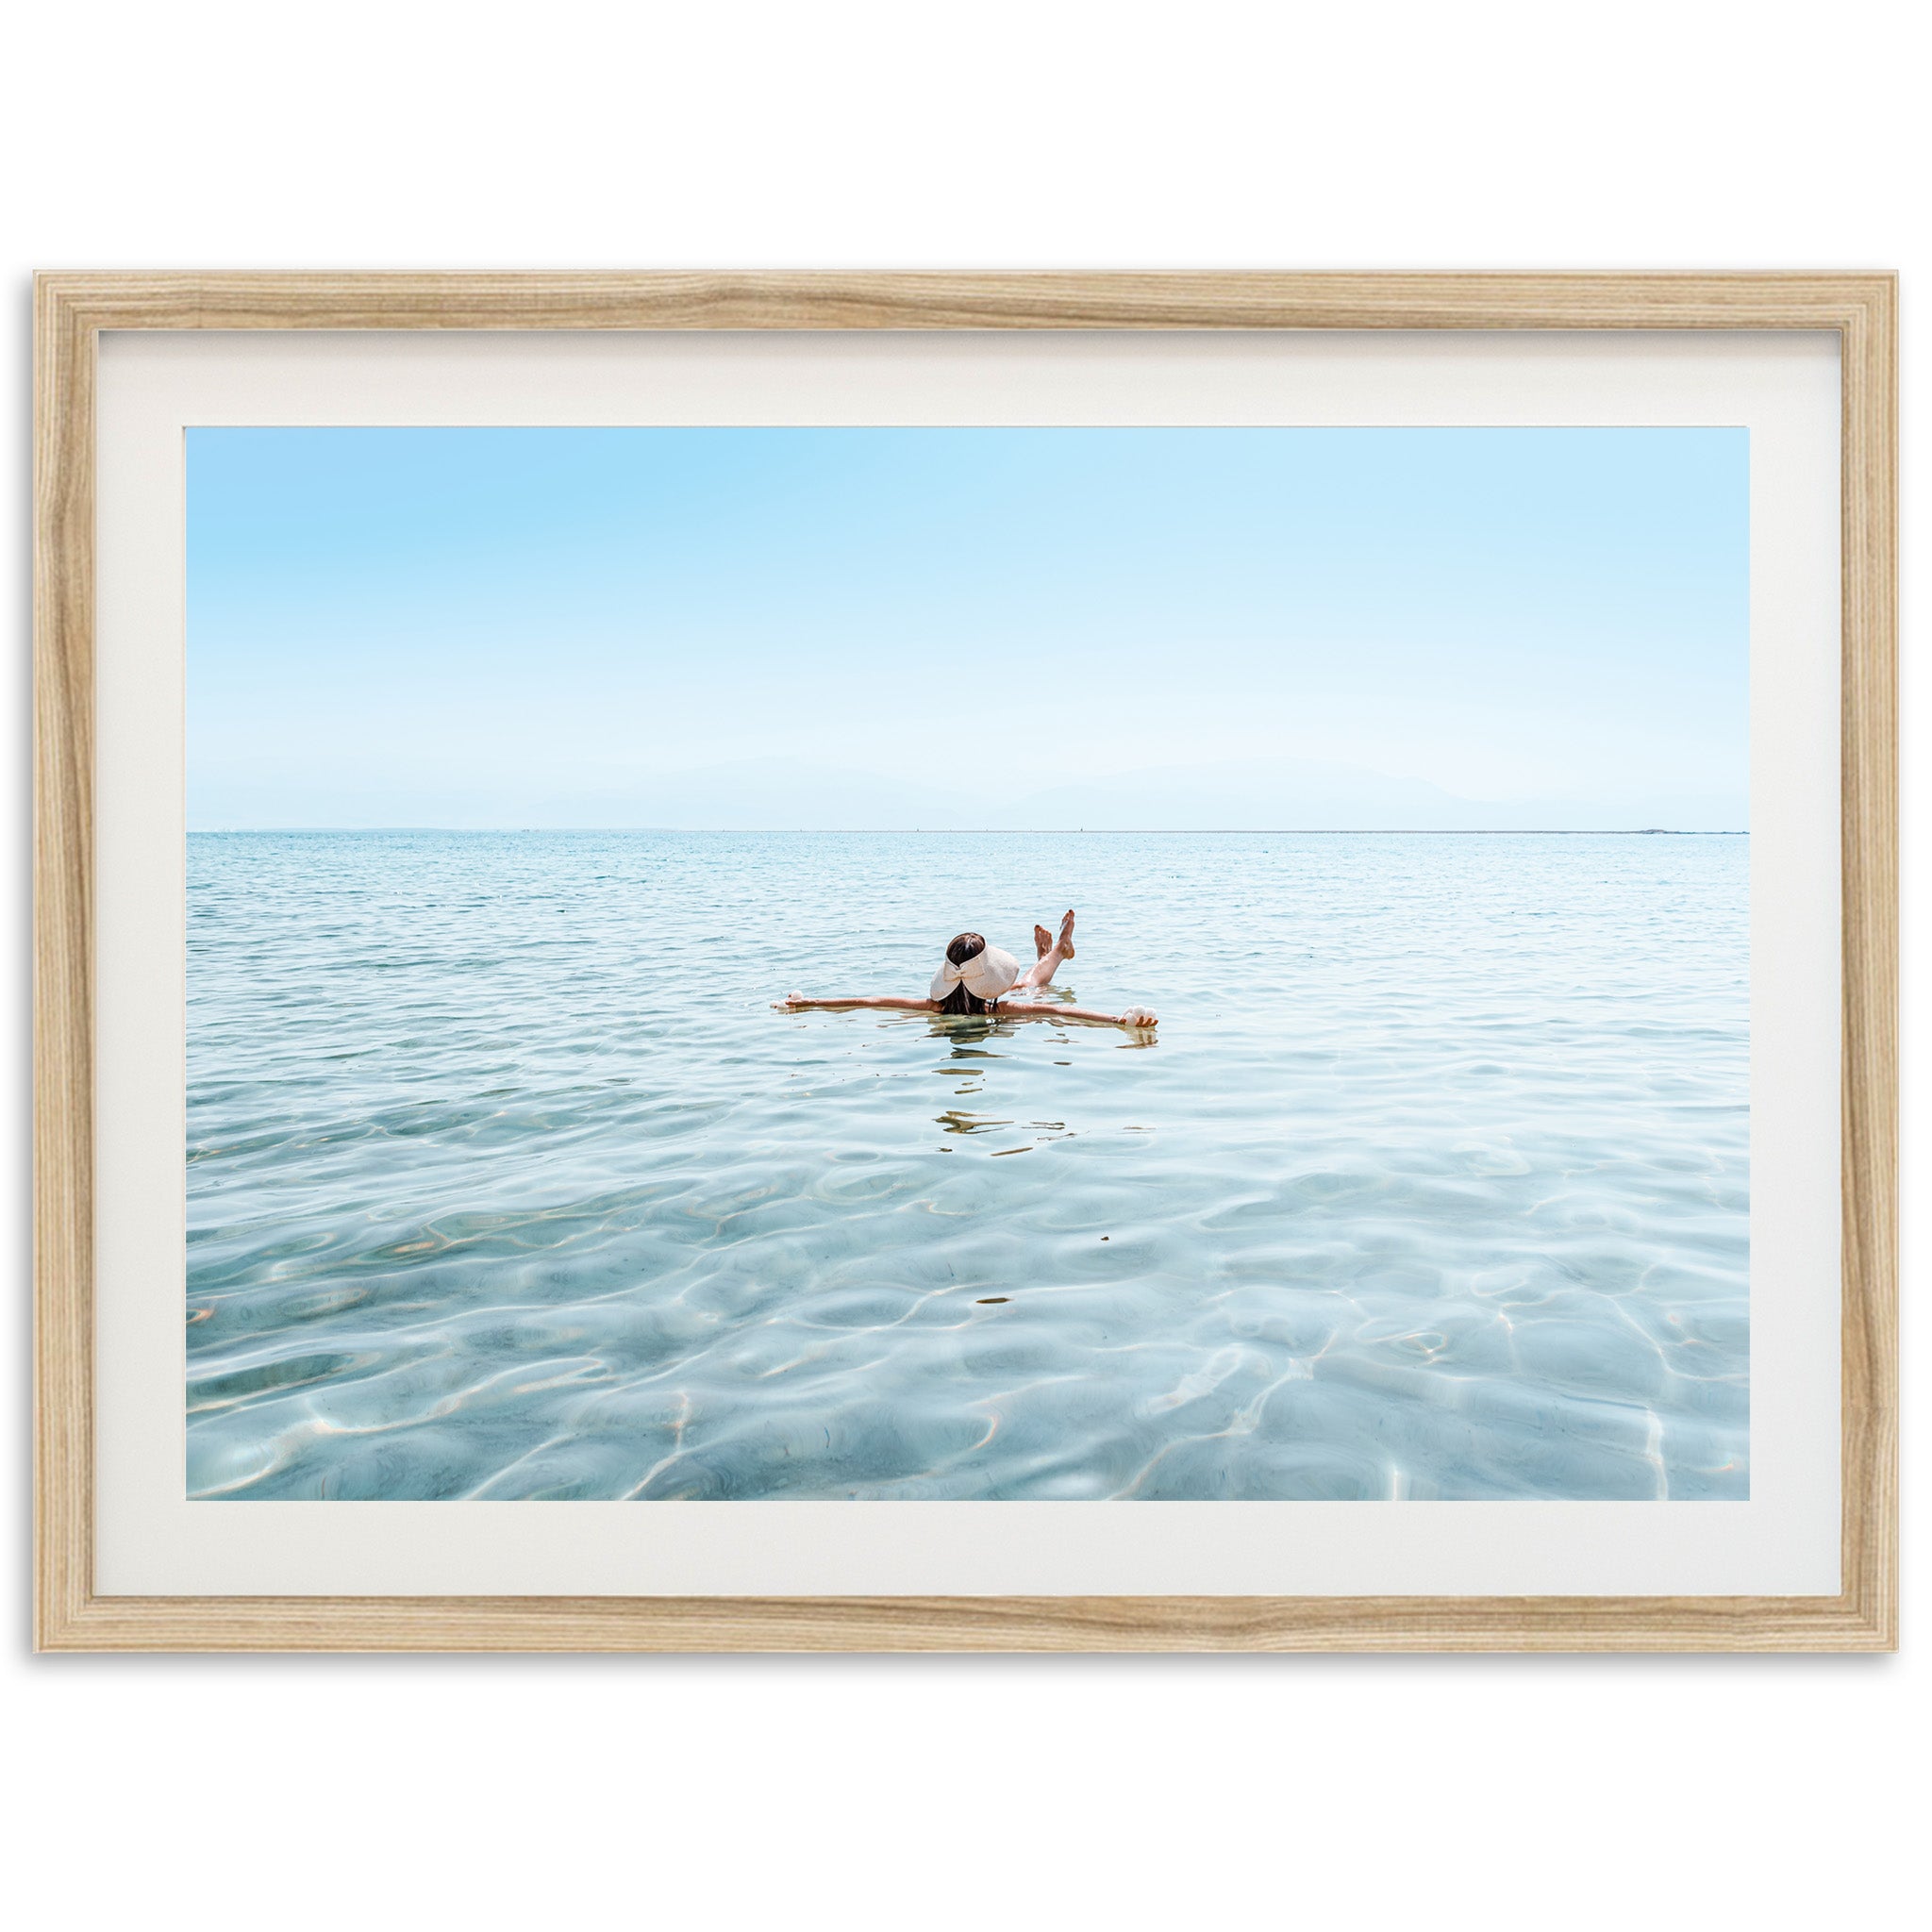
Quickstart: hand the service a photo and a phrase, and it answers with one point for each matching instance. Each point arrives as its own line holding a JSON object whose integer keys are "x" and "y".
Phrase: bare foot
{"x": 1044, "y": 941}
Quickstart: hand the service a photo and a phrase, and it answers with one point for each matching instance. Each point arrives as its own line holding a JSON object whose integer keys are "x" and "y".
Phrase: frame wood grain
{"x": 71, "y": 311}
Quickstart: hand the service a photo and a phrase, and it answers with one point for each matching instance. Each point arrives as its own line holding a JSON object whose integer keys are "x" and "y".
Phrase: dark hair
{"x": 968, "y": 945}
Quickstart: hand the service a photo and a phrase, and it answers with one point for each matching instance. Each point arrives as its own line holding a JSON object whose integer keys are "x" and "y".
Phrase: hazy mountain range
{"x": 785, "y": 794}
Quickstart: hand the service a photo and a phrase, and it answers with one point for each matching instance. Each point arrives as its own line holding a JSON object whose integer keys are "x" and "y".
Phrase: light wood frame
{"x": 72, "y": 309}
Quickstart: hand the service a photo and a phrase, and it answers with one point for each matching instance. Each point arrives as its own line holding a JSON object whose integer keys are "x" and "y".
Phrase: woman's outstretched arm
{"x": 797, "y": 1002}
{"x": 1028, "y": 1009}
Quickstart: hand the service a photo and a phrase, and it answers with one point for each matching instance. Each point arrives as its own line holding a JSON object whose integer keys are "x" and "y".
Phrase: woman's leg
{"x": 1042, "y": 971}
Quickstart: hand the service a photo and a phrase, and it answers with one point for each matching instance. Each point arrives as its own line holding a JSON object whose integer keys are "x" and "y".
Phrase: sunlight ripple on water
{"x": 503, "y": 1180}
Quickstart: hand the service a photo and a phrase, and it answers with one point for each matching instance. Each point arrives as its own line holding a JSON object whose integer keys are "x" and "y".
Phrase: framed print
{"x": 966, "y": 962}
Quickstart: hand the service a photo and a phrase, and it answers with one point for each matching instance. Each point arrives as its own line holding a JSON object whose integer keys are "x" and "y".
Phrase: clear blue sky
{"x": 527, "y": 626}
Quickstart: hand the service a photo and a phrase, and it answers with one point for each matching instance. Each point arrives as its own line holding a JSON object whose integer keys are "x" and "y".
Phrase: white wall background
{"x": 904, "y": 1792}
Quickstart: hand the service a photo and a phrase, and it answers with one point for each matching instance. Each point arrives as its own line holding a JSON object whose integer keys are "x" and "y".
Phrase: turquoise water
{"x": 503, "y": 1180}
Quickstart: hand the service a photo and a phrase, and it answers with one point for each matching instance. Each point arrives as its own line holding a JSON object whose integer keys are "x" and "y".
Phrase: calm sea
{"x": 503, "y": 1180}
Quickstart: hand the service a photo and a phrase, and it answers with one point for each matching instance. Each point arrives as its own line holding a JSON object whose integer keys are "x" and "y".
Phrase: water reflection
{"x": 964, "y": 1032}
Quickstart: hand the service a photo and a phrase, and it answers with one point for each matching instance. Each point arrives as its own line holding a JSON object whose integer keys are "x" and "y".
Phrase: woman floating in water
{"x": 975, "y": 977}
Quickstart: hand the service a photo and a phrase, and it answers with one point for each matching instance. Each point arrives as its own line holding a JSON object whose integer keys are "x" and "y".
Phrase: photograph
{"x": 1033, "y": 963}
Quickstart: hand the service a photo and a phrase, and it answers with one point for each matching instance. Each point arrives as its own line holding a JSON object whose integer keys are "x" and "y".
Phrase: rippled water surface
{"x": 503, "y": 1180}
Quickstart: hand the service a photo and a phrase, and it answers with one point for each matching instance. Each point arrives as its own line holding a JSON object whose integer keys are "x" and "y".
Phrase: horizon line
{"x": 1034, "y": 831}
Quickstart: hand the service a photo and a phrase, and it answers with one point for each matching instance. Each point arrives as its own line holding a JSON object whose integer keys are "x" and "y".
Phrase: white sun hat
{"x": 988, "y": 974}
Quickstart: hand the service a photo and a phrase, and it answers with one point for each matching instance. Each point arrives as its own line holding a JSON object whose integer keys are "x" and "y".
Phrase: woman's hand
{"x": 1140, "y": 1016}
{"x": 791, "y": 1002}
